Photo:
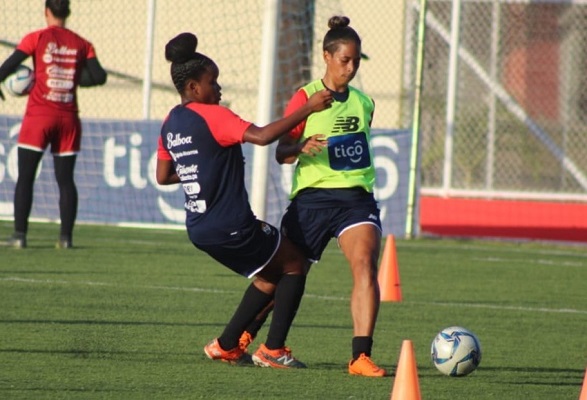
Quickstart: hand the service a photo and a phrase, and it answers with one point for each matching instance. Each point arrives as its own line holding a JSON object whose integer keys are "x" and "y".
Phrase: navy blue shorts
{"x": 247, "y": 254}
{"x": 311, "y": 226}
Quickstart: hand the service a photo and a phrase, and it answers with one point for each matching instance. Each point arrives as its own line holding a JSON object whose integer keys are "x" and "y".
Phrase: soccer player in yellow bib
{"x": 332, "y": 191}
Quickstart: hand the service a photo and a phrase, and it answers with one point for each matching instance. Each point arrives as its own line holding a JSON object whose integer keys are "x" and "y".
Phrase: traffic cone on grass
{"x": 388, "y": 278}
{"x": 583, "y": 395}
{"x": 406, "y": 385}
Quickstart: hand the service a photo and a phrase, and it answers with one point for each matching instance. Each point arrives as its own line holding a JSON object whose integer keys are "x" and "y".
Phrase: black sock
{"x": 252, "y": 303}
{"x": 288, "y": 296}
{"x": 19, "y": 235}
{"x": 68, "y": 197}
{"x": 28, "y": 161}
{"x": 258, "y": 322}
{"x": 362, "y": 344}
{"x": 255, "y": 326}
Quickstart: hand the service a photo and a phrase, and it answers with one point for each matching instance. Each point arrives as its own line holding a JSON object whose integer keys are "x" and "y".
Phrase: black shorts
{"x": 249, "y": 253}
{"x": 312, "y": 228}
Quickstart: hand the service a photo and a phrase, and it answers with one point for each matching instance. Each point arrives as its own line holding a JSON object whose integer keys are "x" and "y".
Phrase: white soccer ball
{"x": 20, "y": 82}
{"x": 456, "y": 351}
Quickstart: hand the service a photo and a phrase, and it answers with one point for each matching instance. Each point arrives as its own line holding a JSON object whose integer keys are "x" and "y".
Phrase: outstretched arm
{"x": 269, "y": 133}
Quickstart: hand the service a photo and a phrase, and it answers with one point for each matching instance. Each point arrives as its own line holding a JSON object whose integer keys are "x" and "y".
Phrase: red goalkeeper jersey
{"x": 58, "y": 56}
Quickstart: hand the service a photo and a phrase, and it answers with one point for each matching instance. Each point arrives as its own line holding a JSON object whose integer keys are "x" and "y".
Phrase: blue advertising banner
{"x": 115, "y": 176}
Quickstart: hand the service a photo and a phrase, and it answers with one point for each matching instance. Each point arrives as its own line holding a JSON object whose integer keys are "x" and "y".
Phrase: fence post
{"x": 453, "y": 70}
{"x": 413, "y": 186}
{"x": 149, "y": 42}
{"x": 265, "y": 109}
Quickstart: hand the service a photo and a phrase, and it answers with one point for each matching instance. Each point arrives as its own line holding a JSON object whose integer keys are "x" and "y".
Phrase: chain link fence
{"x": 231, "y": 33}
{"x": 503, "y": 94}
{"x": 504, "y": 115}
{"x": 122, "y": 118}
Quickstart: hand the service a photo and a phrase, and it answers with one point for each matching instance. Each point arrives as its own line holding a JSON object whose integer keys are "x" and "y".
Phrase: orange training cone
{"x": 406, "y": 385}
{"x": 583, "y": 395}
{"x": 389, "y": 284}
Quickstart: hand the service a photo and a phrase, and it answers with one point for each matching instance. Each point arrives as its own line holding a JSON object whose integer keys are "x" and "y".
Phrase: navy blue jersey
{"x": 204, "y": 143}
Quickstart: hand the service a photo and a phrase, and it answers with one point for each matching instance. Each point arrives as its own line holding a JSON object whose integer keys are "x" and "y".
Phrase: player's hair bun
{"x": 338, "y": 21}
{"x": 181, "y": 48}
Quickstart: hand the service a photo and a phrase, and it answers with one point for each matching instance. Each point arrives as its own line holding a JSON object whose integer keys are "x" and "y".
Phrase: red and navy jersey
{"x": 297, "y": 101}
{"x": 58, "y": 57}
{"x": 204, "y": 143}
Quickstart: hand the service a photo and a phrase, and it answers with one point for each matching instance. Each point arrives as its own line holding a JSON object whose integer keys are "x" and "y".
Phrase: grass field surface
{"x": 127, "y": 312}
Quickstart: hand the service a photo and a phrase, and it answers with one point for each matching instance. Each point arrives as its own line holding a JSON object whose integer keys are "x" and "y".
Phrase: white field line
{"x": 529, "y": 251}
{"x": 315, "y": 296}
{"x": 509, "y": 308}
{"x": 539, "y": 261}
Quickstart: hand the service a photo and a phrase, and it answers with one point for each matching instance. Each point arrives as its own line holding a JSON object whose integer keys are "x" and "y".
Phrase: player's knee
{"x": 364, "y": 272}
{"x": 296, "y": 266}
{"x": 264, "y": 285}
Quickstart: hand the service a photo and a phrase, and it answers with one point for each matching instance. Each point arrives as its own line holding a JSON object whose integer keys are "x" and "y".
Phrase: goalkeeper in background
{"x": 62, "y": 61}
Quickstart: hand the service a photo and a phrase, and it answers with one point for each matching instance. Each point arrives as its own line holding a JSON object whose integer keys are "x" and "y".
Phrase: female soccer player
{"x": 62, "y": 60}
{"x": 200, "y": 147}
{"x": 332, "y": 193}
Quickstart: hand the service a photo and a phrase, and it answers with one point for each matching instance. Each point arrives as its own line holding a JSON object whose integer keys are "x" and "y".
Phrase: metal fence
{"x": 130, "y": 36}
{"x": 503, "y": 111}
{"x": 503, "y": 88}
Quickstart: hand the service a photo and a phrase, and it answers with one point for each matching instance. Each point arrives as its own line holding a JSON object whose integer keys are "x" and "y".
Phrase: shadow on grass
{"x": 534, "y": 369}
{"x": 114, "y": 323}
{"x": 50, "y": 272}
{"x": 519, "y": 376}
{"x": 146, "y": 323}
{"x": 61, "y": 391}
{"x": 88, "y": 353}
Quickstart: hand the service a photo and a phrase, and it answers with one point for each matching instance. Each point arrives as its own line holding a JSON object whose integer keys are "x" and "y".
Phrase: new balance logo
{"x": 285, "y": 360}
{"x": 346, "y": 124}
{"x": 278, "y": 358}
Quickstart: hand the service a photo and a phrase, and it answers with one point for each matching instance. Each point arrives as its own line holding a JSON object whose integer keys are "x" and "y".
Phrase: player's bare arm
{"x": 289, "y": 148}
{"x": 268, "y": 134}
{"x": 166, "y": 174}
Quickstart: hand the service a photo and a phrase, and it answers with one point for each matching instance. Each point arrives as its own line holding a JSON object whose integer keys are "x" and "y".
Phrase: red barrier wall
{"x": 504, "y": 218}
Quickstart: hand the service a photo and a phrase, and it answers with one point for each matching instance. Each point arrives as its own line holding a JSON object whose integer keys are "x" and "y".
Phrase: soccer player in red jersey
{"x": 200, "y": 148}
{"x": 62, "y": 61}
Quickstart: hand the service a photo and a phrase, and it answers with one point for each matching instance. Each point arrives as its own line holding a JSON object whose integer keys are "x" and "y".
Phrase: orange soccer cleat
{"x": 278, "y": 358}
{"x": 245, "y": 340}
{"x": 365, "y": 366}
{"x": 234, "y": 356}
